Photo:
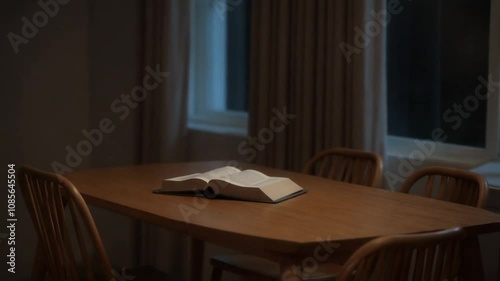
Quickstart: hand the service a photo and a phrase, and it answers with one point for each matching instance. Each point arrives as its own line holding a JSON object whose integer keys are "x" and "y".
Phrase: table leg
{"x": 472, "y": 260}
{"x": 197, "y": 255}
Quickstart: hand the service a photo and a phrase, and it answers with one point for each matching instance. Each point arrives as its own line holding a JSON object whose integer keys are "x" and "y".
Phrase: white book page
{"x": 223, "y": 172}
{"x": 219, "y": 173}
{"x": 277, "y": 188}
{"x": 248, "y": 178}
{"x": 186, "y": 177}
{"x": 183, "y": 183}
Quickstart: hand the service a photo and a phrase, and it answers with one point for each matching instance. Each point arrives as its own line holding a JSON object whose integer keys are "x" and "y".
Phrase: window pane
{"x": 238, "y": 40}
{"x": 437, "y": 50}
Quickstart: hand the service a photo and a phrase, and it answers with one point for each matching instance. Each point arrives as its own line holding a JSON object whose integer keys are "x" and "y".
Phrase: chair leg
{"x": 216, "y": 274}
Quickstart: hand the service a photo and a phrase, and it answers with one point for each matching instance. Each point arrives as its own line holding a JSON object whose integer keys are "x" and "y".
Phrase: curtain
{"x": 166, "y": 32}
{"x": 166, "y": 47}
{"x": 311, "y": 71}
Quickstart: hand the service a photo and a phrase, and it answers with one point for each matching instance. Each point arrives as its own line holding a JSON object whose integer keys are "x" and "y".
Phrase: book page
{"x": 186, "y": 177}
{"x": 223, "y": 172}
{"x": 280, "y": 188}
{"x": 248, "y": 178}
{"x": 219, "y": 173}
{"x": 197, "y": 181}
{"x": 255, "y": 186}
{"x": 207, "y": 176}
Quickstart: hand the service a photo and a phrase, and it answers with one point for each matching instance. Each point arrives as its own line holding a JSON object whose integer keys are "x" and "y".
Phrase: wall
{"x": 222, "y": 146}
{"x": 45, "y": 102}
{"x": 61, "y": 82}
{"x": 115, "y": 58}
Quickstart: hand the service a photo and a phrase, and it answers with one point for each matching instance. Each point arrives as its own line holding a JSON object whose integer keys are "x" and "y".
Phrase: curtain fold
{"x": 166, "y": 29}
{"x": 166, "y": 46}
{"x": 298, "y": 67}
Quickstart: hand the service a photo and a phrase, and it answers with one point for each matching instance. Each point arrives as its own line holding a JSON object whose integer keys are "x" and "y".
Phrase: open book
{"x": 233, "y": 183}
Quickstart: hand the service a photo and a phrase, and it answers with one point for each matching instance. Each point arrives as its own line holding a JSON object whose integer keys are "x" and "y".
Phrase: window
{"x": 440, "y": 58}
{"x": 219, "y": 63}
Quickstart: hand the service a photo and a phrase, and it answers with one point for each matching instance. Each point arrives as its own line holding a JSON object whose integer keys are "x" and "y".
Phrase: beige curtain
{"x": 166, "y": 43}
{"x": 298, "y": 65}
{"x": 164, "y": 123}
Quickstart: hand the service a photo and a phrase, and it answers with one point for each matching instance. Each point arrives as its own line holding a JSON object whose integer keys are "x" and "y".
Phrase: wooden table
{"x": 286, "y": 232}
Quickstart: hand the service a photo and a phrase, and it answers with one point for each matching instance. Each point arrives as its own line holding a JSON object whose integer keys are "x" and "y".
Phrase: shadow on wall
{"x": 58, "y": 84}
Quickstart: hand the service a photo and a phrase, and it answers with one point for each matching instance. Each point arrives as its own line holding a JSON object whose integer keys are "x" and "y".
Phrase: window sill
{"x": 227, "y": 123}
{"x": 436, "y": 152}
{"x": 491, "y": 171}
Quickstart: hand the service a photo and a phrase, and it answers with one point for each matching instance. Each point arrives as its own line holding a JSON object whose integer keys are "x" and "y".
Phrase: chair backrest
{"x": 448, "y": 184}
{"x": 417, "y": 257}
{"x": 347, "y": 165}
{"x": 64, "y": 224}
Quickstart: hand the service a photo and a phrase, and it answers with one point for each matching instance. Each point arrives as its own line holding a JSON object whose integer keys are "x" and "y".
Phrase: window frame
{"x": 463, "y": 155}
{"x": 207, "y": 89}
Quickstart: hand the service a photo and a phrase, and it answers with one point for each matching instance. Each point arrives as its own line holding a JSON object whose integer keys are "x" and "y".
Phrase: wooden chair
{"x": 347, "y": 165}
{"x": 429, "y": 256}
{"x": 342, "y": 164}
{"x": 455, "y": 185}
{"x": 67, "y": 233}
